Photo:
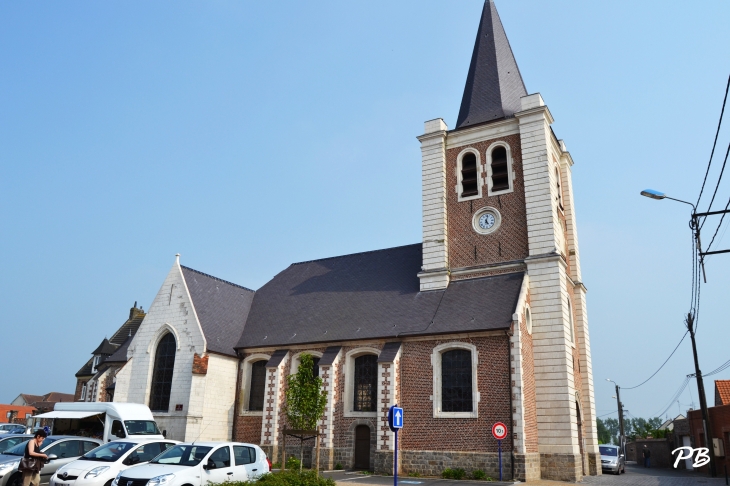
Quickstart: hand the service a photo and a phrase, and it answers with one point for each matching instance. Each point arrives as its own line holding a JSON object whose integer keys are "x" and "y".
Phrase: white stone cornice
{"x": 440, "y": 135}
{"x": 534, "y": 114}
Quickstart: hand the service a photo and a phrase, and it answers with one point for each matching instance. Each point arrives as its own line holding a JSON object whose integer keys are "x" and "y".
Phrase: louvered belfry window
{"x": 258, "y": 386}
{"x": 469, "y": 180}
{"x": 366, "y": 383}
{"x": 456, "y": 392}
{"x": 162, "y": 374}
{"x": 500, "y": 173}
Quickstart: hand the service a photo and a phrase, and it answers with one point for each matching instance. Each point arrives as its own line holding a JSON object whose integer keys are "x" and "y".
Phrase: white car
{"x": 198, "y": 463}
{"x": 100, "y": 466}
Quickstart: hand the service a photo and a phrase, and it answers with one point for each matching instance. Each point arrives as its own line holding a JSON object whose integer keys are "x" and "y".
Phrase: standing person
{"x": 645, "y": 452}
{"x": 33, "y": 459}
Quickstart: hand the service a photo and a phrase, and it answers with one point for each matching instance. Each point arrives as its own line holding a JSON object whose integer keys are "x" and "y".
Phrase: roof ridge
{"x": 218, "y": 279}
{"x": 356, "y": 253}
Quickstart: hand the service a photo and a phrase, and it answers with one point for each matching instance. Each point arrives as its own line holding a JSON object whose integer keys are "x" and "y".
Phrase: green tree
{"x": 604, "y": 437}
{"x": 305, "y": 400}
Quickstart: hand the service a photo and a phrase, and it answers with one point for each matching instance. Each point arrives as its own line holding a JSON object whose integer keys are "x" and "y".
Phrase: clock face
{"x": 486, "y": 221}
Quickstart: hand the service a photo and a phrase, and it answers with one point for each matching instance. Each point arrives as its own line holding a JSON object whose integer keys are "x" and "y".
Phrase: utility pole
{"x": 622, "y": 437}
{"x": 706, "y": 425}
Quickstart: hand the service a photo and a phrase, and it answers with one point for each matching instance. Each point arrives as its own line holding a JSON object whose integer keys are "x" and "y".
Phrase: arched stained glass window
{"x": 366, "y": 383}
{"x": 162, "y": 374}
{"x": 258, "y": 386}
{"x": 456, "y": 392}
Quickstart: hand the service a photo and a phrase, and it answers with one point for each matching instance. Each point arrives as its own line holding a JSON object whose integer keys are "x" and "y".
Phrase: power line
{"x": 719, "y": 123}
{"x": 722, "y": 171}
{"x": 662, "y": 366}
{"x": 676, "y": 395}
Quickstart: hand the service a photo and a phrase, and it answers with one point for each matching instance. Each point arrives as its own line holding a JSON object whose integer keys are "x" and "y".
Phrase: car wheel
{"x": 16, "y": 480}
{"x": 109, "y": 483}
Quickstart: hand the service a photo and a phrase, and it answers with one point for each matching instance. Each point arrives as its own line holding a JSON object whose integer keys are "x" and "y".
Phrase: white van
{"x": 104, "y": 420}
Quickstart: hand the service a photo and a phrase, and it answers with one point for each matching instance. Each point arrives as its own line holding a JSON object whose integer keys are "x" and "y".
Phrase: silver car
{"x": 612, "y": 460}
{"x": 12, "y": 429}
{"x": 61, "y": 449}
{"x": 11, "y": 440}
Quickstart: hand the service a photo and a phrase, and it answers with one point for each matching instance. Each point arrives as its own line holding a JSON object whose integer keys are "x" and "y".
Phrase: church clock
{"x": 486, "y": 220}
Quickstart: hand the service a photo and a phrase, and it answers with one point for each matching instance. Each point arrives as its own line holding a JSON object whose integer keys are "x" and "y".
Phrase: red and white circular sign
{"x": 499, "y": 431}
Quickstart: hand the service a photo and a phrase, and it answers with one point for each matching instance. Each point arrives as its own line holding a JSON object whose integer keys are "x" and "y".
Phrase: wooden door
{"x": 362, "y": 447}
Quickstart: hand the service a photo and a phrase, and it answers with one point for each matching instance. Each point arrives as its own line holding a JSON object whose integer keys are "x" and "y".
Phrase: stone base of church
{"x": 527, "y": 466}
{"x": 384, "y": 462}
{"x": 594, "y": 464}
{"x": 433, "y": 463}
{"x": 561, "y": 467}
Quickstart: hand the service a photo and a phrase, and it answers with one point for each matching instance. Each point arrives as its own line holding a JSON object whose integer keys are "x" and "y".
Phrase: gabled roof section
{"x": 129, "y": 328}
{"x": 222, "y": 308}
{"x": 120, "y": 355}
{"x": 373, "y": 295}
{"x": 84, "y": 371}
{"x": 105, "y": 348}
{"x": 494, "y": 84}
{"x": 722, "y": 392}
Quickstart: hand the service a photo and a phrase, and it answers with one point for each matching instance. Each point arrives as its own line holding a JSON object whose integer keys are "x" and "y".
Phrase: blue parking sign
{"x": 395, "y": 418}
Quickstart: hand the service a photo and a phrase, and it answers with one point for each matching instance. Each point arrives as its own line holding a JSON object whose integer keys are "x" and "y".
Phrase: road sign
{"x": 499, "y": 431}
{"x": 395, "y": 418}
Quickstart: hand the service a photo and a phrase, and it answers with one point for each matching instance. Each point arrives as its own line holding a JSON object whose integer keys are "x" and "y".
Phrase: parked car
{"x": 100, "y": 466}
{"x": 10, "y": 440}
{"x": 612, "y": 459}
{"x": 197, "y": 464}
{"x": 12, "y": 429}
{"x": 61, "y": 449}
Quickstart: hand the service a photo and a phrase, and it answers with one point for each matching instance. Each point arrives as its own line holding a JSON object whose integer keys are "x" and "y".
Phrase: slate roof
{"x": 120, "y": 355}
{"x": 105, "y": 348}
{"x": 129, "y": 328}
{"x": 722, "y": 392}
{"x": 373, "y": 295}
{"x": 222, "y": 308}
{"x": 85, "y": 370}
{"x": 494, "y": 84}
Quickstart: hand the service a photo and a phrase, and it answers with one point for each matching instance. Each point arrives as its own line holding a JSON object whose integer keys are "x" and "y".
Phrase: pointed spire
{"x": 494, "y": 85}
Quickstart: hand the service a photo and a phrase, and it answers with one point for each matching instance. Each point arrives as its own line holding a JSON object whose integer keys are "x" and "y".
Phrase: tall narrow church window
{"x": 258, "y": 386}
{"x": 559, "y": 189}
{"x": 162, "y": 374}
{"x": 469, "y": 175}
{"x": 500, "y": 169}
{"x": 316, "y": 366}
{"x": 570, "y": 321}
{"x": 366, "y": 383}
{"x": 456, "y": 381}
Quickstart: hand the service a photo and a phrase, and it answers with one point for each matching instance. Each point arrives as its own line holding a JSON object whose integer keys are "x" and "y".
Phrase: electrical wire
{"x": 676, "y": 395}
{"x": 719, "y": 179}
{"x": 719, "y": 123}
{"x": 723, "y": 215}
{"x": 662, "y": 366}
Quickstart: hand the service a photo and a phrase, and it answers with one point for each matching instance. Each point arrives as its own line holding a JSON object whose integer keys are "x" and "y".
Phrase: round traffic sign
{"x": 499, "y": 431}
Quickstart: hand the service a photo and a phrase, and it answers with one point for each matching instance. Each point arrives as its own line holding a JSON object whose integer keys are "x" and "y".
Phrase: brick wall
{"x": 720, "y": 421}
{"x": 426, "y": 433}
{"x": 509, "y": 242}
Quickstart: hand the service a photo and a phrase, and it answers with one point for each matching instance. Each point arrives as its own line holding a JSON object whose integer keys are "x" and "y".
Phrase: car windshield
{"x": 182, "y": 455}
{"x": 110, "y": 452}
{"x": 608, "y": 451}
{"x": 19, "y": 449}
{"x": 142, "y": 427}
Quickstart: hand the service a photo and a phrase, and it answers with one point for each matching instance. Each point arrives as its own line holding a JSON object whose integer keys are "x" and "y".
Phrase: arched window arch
{"x": 296, "y": 360}
{"x": 162, "y": 374}
{"x": 499, "y": 169}
{"x": 258, "y": 386}
{"x": 456, "y": 376}
{"x": 469, "y": 175}
{"x": 455, "y": 380}
{"x": 528, "y": 319}
{"x": 558, "y": 188}
{"x": 366, "y": 383}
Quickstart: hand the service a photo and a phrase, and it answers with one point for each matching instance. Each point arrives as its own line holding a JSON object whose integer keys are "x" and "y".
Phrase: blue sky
{"x": 247, "y": 136}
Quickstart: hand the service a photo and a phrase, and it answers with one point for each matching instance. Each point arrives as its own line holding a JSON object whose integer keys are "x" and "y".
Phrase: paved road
{"x": 634, "y": 476}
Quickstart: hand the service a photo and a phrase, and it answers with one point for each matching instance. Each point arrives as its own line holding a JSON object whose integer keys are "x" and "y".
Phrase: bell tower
{"x": 497, "y": 198}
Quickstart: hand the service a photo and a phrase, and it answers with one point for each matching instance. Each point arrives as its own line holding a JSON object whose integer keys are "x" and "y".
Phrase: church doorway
{"x": 362, "y": 447}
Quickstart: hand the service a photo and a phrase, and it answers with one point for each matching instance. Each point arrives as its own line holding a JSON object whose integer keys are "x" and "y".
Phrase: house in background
{"x": 95, "y": 381}
{"x": 15, "y": 414}
{"x": 722, "y": 392}
{"x": 42, "y": 403}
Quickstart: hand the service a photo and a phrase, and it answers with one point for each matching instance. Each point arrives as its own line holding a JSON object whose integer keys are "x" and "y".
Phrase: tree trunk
{"x": 301, "y": 454}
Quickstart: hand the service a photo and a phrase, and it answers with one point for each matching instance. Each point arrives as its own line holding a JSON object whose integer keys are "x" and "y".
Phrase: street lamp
{"x": 621, "y": 440}
{"x": 689, "y": 322}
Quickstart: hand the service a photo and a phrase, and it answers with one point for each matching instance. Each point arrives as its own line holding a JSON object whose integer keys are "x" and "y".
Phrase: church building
{"x": 482, "y": 321}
